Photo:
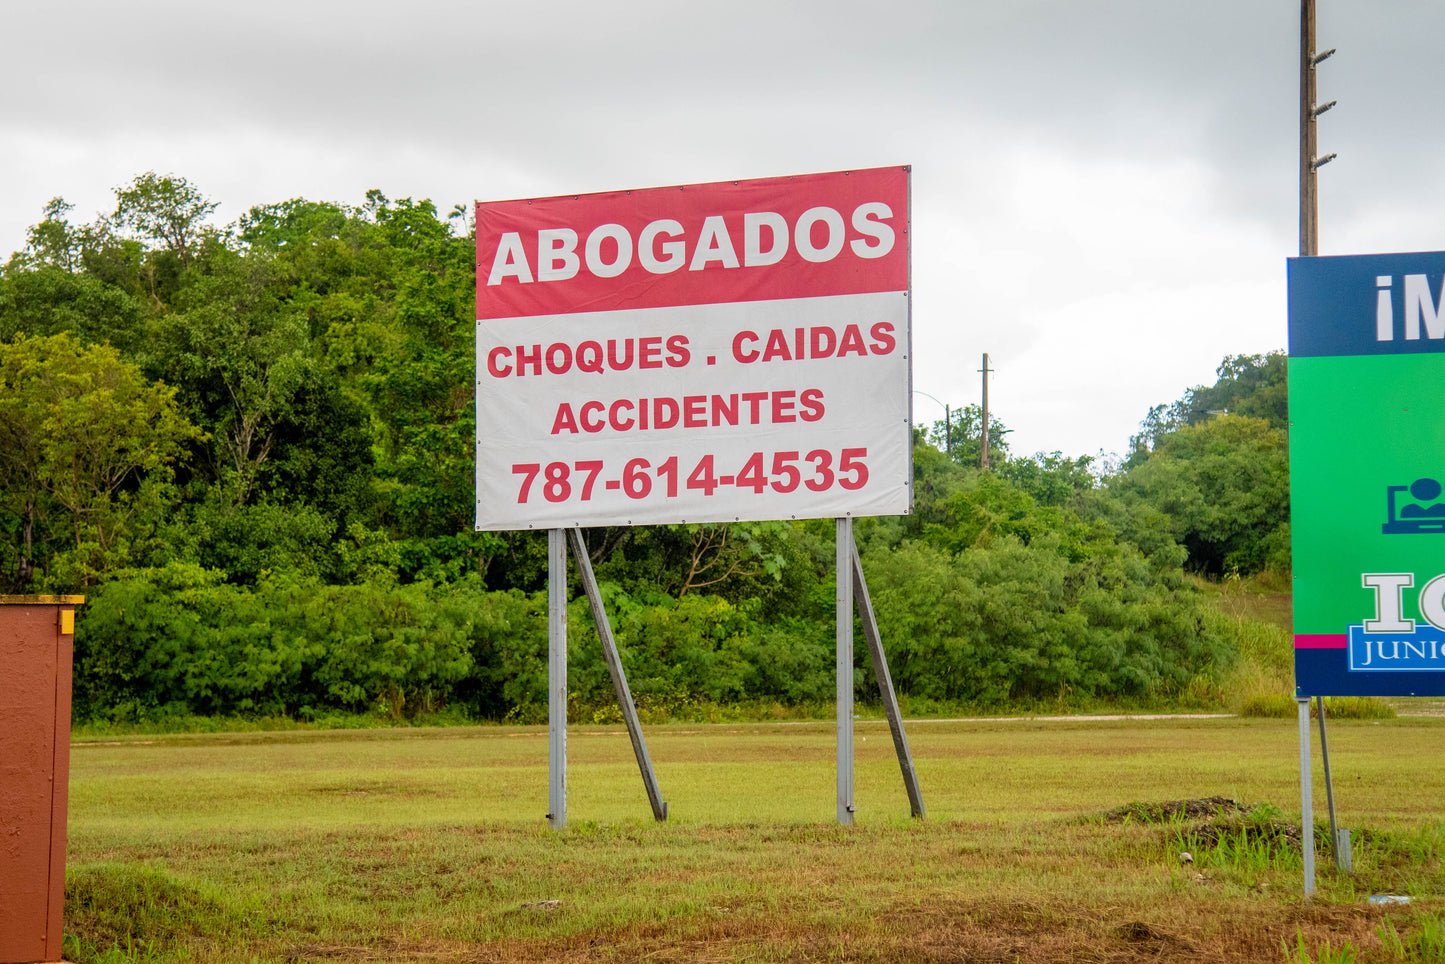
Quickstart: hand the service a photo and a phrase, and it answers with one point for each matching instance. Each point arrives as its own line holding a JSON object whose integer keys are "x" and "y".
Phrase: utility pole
{"x": 1309, "y": 246}
{"x": 948, "y": 430}
{"x": 1309, "y": 111}
{"x": 983, "y": 460}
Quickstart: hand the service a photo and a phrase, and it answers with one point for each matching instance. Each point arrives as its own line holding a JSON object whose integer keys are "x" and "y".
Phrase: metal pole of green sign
{"x": 1339, "y": 839}
{"x": 844, "y": 600}
{"x": 1307, "y": 801}
{"x": 557, "y": 678}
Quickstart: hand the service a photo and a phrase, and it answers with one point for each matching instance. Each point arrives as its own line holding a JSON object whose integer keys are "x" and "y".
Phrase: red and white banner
{"x": 704, "y": 353}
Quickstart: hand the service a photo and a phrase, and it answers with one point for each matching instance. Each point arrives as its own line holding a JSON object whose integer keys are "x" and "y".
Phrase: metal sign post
{"x": 1307, "y": 796}
{"x": 556, "y": 679}
{"x": 1341, "y": 862}
{"x": 844, "y": 568}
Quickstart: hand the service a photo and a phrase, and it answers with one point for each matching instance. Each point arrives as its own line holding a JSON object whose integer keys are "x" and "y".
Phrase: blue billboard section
{"x": 1372, "y": 304}
{"x": 1326, "y": 672}
{"x": 1421, "y": 650}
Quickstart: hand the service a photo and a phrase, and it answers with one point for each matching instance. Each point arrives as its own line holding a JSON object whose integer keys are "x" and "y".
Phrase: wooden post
{"x": 1308, "y": 180}
{"x": 1309, "y": 245}
{"x": 983, "y": 460}
{"x": 1309, "y": 160}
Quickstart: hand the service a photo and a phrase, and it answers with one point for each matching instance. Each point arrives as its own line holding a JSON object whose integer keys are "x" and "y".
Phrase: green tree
{"x": 1051, "y": 478}
{"x": 240, "y": 356}
{"x": 165, "y": 209}
{"x": 387, "y": 292}
{"x": 1252, "y": 385}
{"x": 737, "y": 560}
{"x": 87, "y": 447}
{"x": 54, "y": 242}
{"x": 1222, "y": 489}
{"x": 961, "y": 436}
{"x": 48, "y": 300}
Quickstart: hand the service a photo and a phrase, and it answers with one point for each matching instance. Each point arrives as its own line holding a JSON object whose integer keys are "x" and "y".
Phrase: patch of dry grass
{"x": 430, "y": 845}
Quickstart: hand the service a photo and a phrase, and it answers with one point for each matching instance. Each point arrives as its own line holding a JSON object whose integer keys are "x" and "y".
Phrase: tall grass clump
{"x": 129, "y": 912}
{"x": 1427, "y": 944}
{"x": 1262, "y": 683}
{"x": 1346, "y": 953}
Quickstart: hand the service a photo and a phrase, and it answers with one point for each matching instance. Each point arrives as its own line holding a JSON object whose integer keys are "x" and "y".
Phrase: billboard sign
{"x": 1367, "y": 465}
{"x": 698, "y": 353}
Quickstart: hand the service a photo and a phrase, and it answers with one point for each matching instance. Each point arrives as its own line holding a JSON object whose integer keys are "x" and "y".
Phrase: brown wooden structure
{"x": 36, "y": 646}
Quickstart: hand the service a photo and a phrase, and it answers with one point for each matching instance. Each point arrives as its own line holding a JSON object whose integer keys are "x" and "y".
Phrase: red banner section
{"x": 1321, "y": 641}
{"x": 732, "y": 241}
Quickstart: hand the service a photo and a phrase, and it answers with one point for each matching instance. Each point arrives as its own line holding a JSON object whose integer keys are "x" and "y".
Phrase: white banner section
{"x": 786, "y": 409}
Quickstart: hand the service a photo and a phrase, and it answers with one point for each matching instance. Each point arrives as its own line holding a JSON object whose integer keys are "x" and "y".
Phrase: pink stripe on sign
{"x": 810, "y": 236}
{"x": 1321, "y": 641}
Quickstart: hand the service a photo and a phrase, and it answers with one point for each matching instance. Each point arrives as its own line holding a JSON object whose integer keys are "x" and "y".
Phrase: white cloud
{"x": 1104, "y": 193}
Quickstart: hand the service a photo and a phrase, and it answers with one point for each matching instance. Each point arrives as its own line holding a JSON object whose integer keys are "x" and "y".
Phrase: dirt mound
{"x": 1276, "y": 833}
{"x": 1201, "y": 808}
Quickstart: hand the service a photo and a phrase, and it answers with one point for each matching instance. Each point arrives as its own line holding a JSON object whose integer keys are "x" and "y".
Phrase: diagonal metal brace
{"x": 614, "y": 668}
{"x": 885, "y": 685}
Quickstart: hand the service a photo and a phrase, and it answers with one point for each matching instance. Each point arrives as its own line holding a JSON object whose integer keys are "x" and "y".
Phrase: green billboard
{"x": 1367, "y": 467}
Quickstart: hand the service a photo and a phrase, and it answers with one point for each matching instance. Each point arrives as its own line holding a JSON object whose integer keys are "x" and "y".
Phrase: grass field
{"x": 431, "y": 845}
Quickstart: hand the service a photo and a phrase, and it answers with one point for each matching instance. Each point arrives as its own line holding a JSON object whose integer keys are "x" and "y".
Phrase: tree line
{"x": 251, "y": 447}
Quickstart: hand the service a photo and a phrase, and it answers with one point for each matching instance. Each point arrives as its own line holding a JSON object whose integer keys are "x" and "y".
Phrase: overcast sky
{"x": 1104, "y": 191}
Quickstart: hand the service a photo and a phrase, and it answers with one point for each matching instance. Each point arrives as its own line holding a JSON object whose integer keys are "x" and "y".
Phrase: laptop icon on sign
{"x": 1420, "y": 512}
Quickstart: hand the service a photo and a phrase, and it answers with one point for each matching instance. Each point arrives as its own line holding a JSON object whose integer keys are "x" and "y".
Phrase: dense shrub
{"x": 1007, "y": 621}
{"x": 1023, "y": 621}
{"x": 181, "y": 638}
{"x": 178, "y": 640}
